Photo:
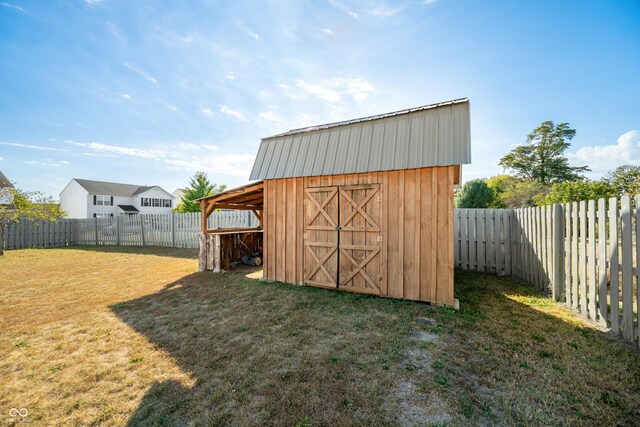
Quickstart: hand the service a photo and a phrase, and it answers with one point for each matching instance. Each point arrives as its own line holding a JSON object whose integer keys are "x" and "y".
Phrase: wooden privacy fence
{"x": 584, "y": 254}
{"x": 179, "y": 230}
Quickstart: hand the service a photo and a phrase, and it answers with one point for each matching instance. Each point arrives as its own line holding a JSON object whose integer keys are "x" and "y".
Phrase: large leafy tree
{"x": 474, "y": 194}
{"x": 18, "y": 204}
{"x": 512, "y": 192}
{"x": 199, "y": 186}
{"x": 625, "y": 179}
{"x": 542, "y": 158}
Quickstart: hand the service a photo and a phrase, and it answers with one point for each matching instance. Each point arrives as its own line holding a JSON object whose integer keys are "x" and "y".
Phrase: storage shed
{"x": 364, "y": 205}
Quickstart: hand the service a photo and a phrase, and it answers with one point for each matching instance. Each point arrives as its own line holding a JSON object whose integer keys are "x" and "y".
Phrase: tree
{"x": 474, "y": 194}
{"x": 199, "y": 186}
{"x": 541, "y": 159}
{"x": 26, "y": 205}
{"x": 625, "y": 179}
{"x": 575, "y": 191}
{"x": 512, "y": 192}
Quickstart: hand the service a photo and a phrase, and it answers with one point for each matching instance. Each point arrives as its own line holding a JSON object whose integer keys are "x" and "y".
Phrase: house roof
{"x": 4, "y": 181}
{"x": 113, "y": 188}
{"x": 426, "y": 136}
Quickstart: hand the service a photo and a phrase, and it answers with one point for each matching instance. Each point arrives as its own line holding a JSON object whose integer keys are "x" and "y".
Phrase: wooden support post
{"x": 202, "y": 254}
{"x": 558, "y": 253}
{"x": 216, "y": 255}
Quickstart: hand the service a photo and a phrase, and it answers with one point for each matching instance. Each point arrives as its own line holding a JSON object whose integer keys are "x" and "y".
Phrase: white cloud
{"x": 254, "y": 35}
{"x": 429, "y": 1}
{"x": 125, "y": 95}
{"x": 328, "y": 31}
{"x": 226, "y": 110}
{"x": 270, "y": 116}
{"x": 48, "y": 163}
{"x": 385, "y": 11}
{"x": 602, "y": 158}
{"x": 320, "y": 91}
{"x": 32, "y": 147}
{"x": 344, "y": 8}
{"x": 207, "y": 111}
{"x": 210, "y": 147}
{"x": 141, "y": 73}
{"x": 228, "y": 164}
{"x": 333, "y": 90}
{"x": 154, "y": 154}
{"x": 12, "y": 6}
{"x": 1, "y": 159}
{"x": 231, "y": 75}
{"x": 93, "y": 2}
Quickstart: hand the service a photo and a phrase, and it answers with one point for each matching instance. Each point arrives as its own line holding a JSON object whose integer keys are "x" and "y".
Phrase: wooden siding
{"x": 416, "y": 226}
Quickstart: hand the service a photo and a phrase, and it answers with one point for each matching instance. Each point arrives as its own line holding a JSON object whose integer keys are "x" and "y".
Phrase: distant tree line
{"x": 540, "y": 174}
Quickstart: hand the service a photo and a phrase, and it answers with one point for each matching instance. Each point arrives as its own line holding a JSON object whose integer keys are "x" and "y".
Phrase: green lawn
{"x": 134, "y": 336}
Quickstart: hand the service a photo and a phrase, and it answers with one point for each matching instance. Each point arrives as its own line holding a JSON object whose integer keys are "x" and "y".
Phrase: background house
{"x": 5, "y": 190}
{"x": 83, "y": 198}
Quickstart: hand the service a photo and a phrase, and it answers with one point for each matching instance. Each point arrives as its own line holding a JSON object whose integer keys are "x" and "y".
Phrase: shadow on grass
{"x": 270, "y": 353}
{"x": 140, "y": 250}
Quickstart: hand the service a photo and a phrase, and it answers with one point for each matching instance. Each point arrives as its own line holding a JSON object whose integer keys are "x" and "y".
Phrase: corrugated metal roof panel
{"x": 433, "y": 135}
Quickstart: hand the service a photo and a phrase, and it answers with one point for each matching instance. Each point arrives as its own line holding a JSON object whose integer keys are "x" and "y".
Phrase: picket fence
{"x": 584, "y": 254}
{"x": 179, "y": 230}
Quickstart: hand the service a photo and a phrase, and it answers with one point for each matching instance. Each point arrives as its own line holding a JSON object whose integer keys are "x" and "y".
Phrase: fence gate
{"x": 321, "y": 237}
{"x": 342, "y": 238}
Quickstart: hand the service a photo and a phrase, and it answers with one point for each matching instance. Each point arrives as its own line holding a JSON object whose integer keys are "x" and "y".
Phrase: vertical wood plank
{"x": 614, "y": 270}
{"x": 602, "y": 262}
{"x": 567, "y": 255}
{"x": 627, "y": 268}
{"x": 592, "y": 259}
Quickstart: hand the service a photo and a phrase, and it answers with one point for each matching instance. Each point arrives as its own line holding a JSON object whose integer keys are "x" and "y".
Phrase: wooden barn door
{"x": 360, "y": 238}
{"x": 321, "y": 237}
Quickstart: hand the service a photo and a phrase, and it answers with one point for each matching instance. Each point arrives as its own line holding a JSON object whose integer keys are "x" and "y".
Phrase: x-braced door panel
{"x": 321, "y": 237}
{"x": 360, "y": 238}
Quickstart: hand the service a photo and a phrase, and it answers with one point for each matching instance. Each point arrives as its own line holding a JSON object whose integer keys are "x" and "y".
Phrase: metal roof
{"x": 431, "y": 135}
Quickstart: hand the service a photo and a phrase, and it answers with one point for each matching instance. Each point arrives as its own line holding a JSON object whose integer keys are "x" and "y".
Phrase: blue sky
{"x": 148, "y": 92}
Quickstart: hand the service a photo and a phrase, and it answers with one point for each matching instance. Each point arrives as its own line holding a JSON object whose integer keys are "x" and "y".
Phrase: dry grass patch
{"x": 133, "y": 336}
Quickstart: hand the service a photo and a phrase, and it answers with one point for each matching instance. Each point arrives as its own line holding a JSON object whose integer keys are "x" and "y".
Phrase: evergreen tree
{"x": 475, "y": 194}
{"x": 542, "y": 158}
{"x": 199, "y": 187}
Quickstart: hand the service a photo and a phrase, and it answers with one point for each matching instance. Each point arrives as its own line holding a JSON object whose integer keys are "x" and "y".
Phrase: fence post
{"x": 558, "y": 253}
{"x": 173, "y": 229}
{"x": 117, "y": 225}
{"x": 95, "y": 225}
{"x": 144, "y": 241}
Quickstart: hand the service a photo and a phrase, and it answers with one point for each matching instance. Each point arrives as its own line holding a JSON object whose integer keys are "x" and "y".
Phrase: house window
{"x": 102, "y": 200}
{"x": 156, "y": 203}
{"x": 102, "y": 215}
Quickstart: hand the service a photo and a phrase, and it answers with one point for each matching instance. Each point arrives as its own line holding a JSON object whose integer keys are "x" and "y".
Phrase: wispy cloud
{"x": 328, "y": 31}
{"x": 141, "y": 73}
{"x": 231, "y": 75}
{"x": 602, "y": 158}
{"x": 94, "y": 2}
{"x": 48, "y": 163}
{"x": 344, "y": 8}
{"x": 1, "y": 158}
{"x": 385, "y": 11}
{"x": 32, "y": 147}
{"x": 183, "y": 156}
{"x": 429, "y": 1}
{"x": 207, "y": 112}
{"x": 226, "y": 110}
{"x": 125, "y": 95}
{"x": 270, "y": 116}
{"x": 12, "y": 6}
{"x": 333, "y": 90}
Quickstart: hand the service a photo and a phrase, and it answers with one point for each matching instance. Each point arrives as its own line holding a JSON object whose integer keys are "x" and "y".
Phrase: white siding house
{"x": 83, "y": 198}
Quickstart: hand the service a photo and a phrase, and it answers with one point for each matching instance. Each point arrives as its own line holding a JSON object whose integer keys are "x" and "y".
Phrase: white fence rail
{"x": 172, "y": 230}
{"x": 585, "y": 254}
